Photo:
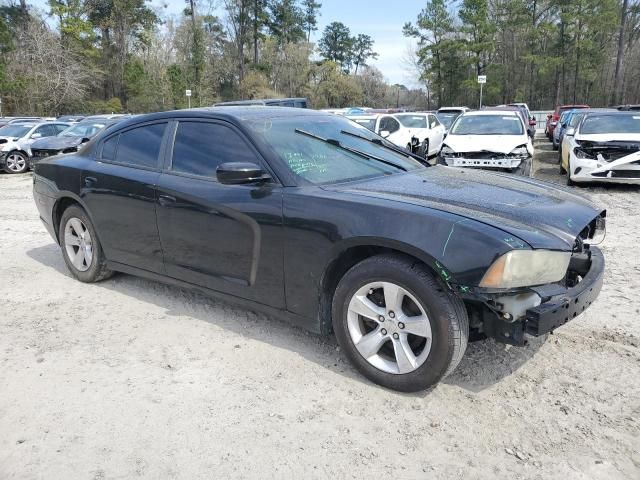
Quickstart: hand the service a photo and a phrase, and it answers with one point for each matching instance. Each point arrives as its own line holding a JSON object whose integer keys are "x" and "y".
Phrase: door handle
{"x": 166, "y": 200}
{"x": 90, "y": 181}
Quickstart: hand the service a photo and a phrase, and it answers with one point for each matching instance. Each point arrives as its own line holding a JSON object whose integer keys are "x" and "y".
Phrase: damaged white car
{"x": 488, "y": 139}
{"x": 16, "y": 139}
{"x": 604, "y": 147}
{"x": 419, "y": 132}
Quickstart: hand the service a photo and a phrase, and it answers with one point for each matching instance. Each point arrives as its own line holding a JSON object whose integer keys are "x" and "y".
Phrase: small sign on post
{"x": 482, "y": 79}
{"x": 188, "y": 94}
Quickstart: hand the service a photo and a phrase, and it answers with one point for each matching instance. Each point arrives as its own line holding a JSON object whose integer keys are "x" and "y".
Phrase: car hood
{"x": 541, "y": 214}
{"x": 56, "y": 143}
{"x": 490, "y": 143}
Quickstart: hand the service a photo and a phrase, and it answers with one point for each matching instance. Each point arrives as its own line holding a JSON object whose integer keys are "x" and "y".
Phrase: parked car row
{"x": 24, "y": 142}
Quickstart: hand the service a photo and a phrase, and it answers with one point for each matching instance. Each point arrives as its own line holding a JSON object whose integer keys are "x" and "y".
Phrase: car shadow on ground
{"x": 484, "y": 364}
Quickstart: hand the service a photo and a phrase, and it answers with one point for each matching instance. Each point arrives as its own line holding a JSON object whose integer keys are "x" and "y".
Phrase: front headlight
{"x": 579, "y": 153}
{"x": 525, "y": 268}
{"x": 446, "y": 150}
{"x": 520, "y": 151}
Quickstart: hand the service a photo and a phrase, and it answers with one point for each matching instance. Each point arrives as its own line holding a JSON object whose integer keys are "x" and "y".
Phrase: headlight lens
{"x": 525, "y": 268}
{"x": 579, "y": 153}
{"x": 446, "y": 150}
{"x": 520, "y": 151}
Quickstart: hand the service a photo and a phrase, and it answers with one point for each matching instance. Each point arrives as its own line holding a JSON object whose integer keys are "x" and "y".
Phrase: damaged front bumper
{"x": 625, "y": 169}
{"x": 484, "y": 161}
{"x": 542, "y": 309}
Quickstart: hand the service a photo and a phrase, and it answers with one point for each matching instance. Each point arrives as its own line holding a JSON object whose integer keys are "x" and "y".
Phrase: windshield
{"x": 368, "y": 123}
{"x": 319, "y": 162}
{"x": 83, "y": 129}
{"x": 15, "y": 130}
{"x": 447, "y": 118}
{"x": 575, "y": 119}
{"x": 488, "y": 125}
{"x": 413, "y": 121}
{"x": 595, "y": 124}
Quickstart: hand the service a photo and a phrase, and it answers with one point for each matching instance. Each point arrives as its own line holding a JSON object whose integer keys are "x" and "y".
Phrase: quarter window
{"x": 200, "y": 147}
{"x": 140, "y": 146}
{"x": 109, "y": 148}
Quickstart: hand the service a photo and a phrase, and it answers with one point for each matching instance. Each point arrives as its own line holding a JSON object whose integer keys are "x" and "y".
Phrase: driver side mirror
{"x": 385, "y": 133}
{"x": 570, "y": 132}
{"x": 84, "y": 140}
{"x": 36, "y": 136}
{"x": 240, "y": 173}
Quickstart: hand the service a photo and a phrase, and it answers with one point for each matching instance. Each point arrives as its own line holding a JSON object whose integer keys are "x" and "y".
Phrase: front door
{"x": 224, "y": 237}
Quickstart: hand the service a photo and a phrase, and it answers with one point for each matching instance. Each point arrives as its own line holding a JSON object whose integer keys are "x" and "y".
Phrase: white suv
{"x": 16, "y": 139}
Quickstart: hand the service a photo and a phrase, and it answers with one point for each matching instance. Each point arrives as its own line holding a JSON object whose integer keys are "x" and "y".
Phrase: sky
{"x": 380, "y": 19}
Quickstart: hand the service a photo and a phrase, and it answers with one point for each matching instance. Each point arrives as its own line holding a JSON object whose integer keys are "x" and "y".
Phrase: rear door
{"x": 119, "y": 191}
{"x": 223, "y": 237}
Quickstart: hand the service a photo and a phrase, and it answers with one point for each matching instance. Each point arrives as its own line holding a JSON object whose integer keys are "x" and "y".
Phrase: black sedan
{"x": 316, "y": 219}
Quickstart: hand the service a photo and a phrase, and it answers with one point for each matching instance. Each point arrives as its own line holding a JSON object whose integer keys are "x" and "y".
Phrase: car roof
{"x": 493, "y": 111}
{"x": 230, "y": 113}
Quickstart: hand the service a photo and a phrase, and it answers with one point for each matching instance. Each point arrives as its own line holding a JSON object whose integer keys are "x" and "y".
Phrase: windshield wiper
{"x": 336, "y": 143}
{"x": 388, "y": 146}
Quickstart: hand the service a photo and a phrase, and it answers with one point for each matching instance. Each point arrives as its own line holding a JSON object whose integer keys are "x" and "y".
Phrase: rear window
{"x": 413, "y": 121}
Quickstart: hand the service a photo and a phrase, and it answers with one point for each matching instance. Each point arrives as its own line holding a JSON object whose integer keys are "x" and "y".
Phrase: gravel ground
{"x": 130, "y": 378}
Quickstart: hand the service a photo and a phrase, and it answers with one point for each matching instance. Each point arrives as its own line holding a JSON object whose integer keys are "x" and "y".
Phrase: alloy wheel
{"x": 78, "y": 244}
{"x": 389, "y": 327}
{"x": 16, "y": 162}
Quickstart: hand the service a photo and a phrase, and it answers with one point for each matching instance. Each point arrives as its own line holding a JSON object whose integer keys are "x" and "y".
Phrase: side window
{"x": 433, "y": 121}
{"x": 109, "y": 148}
{"x": 140, "y": 146}
{"x": 200, "y": 147}
{"x": 59, "y": 128}
{"x": 45, "y": 130}
{"x": 389, "y": 124}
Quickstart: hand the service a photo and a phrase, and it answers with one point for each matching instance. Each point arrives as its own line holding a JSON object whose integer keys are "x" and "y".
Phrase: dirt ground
{"x": 130, "y": 378}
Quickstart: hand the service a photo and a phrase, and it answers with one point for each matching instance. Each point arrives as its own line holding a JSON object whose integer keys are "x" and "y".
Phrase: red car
{"x": 552, "y": 119}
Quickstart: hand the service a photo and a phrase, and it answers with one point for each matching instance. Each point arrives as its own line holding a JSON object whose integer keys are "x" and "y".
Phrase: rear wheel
{"x": 16, "y": 162}
{"x": 81, "y": 248}
{"x": 397, "y": 324}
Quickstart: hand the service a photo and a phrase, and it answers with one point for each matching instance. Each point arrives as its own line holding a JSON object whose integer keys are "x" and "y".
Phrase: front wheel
{"x": 398, "y": 325}
{"x": 570, "y": 182}
{"x": 16, "y": 162}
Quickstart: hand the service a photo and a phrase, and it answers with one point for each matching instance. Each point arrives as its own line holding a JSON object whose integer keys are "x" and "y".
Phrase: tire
{"x": 570, "y": 182}
{"x": 75, "y": 223}
{"x": 523, "y": 169}
{"x": 423, "y": 151}
{"x": 445, "y": 313}
{"x": 16, "y": 162}
{"x": 554, "y": 144}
